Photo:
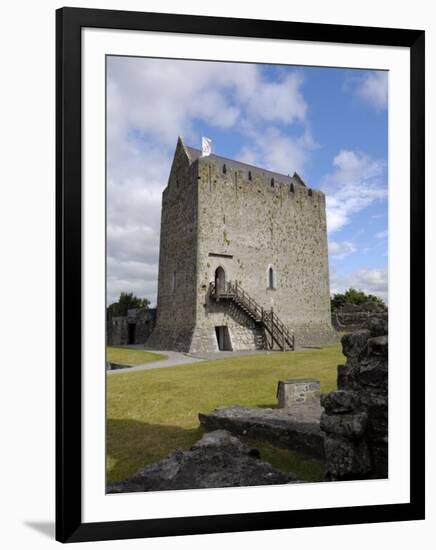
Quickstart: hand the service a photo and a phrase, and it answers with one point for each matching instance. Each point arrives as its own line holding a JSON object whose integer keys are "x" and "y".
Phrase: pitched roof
{"x": 231, "y": 164}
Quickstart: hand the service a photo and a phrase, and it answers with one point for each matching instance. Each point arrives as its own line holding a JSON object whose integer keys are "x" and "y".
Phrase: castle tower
{"x": 243, "y": 259}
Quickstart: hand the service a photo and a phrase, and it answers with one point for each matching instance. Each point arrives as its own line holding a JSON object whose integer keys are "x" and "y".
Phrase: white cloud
{"x": 340, "y": 250}
{"x": 382, "y": 234}
{"x": 369, "y": 280}
{"x": 164, "y": 97}
{"x": 355, "y": 182}
{"x": 280, "y": 101}
{"x": 274, "y": 150}
{"x": 152, "y": 101}
{"x": 371, "y": 88}
{"x": 374, "y": 88}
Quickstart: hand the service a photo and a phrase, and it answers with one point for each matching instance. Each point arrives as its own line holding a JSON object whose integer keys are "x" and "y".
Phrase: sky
{"x": 329, "y": 125}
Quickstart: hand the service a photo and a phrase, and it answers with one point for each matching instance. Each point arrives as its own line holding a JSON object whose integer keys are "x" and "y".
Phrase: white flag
{"x": 206, "y": 146}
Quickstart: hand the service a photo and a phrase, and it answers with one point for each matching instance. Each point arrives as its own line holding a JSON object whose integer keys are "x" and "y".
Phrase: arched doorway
{"x": 220, "y": 280}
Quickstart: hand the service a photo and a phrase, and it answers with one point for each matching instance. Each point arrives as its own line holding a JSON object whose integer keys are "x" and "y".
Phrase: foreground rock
{"x": 217, "y": 460}
{"x": 296, "y": 428}
{"x": 356, "y": 415}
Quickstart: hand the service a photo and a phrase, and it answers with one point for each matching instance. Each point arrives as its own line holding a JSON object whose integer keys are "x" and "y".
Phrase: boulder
{"x": 347, "y": 459}
{"x": 373, "y": 373}
{"x": 377, "y": 326}
{"x": 355, "y": 344}
{"x": 349, "y": 425}
{"x": 340, "y": 401}
{"x": 217, "y": 460}
{"x": 378, "y": 346}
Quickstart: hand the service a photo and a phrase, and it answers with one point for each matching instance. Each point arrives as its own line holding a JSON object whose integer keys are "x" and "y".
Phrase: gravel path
{"x": 175, "y": 358}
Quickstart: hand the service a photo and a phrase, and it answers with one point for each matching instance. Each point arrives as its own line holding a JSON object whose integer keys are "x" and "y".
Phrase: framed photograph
{"x": 240, "y": 274}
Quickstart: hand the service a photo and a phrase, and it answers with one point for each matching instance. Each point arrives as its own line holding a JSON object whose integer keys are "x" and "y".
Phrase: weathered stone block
{"x": 297, "y": 392}
{"x": 349, "y": 425}
{"x": 343, "y": 377}
{"x": 378, "y": 346}
{"x": 379, "y": 452}
{"x": 354, "y": 344}
{"x": 376, "y": 406}
{"x": 377, "y": 326}
{"x": 340, "y": 401}
{"x": 373, "y": 373}
{"x": 347, "y": 459}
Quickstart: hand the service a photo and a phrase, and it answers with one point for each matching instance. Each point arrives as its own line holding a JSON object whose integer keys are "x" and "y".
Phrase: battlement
{"x": 214, "y": 168}
{"x": 228, "y": 168}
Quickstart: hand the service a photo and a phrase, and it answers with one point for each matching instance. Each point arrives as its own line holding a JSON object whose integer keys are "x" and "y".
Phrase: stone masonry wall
{"x": 246, "y": 226}
{"x": 246, "y": 222}
{"x": 117, "y": 328}
{"x": 355, "y": 418}
{"x": 176, "y": 312}
{"x": 351, "y": 317}
{"x": 118, "y": 333}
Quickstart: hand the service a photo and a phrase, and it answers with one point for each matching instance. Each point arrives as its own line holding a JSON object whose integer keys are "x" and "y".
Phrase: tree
{"x": 126, "y": 301}
{"x": 353, "y": 296}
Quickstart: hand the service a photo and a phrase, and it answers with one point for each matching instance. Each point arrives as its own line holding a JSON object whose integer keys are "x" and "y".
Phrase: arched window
{"x": 220, "y": 280}
{"x": 271, "y": 278}
{"x": 224, "y": 169}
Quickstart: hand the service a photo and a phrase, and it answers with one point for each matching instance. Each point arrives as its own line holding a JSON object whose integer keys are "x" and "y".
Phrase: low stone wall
{"x": 296, "y": 428}
{"x": 350, "y": 317}
{"x": 355, "y": 417}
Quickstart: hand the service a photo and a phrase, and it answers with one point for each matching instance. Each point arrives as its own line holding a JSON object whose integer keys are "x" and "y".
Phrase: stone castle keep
{"x": 243, "y": 259}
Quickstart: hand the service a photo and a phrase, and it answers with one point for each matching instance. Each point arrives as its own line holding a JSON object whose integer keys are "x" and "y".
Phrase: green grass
{"x": 132, "y": 357}
{"x": 305, "y": 468}
{"x": 151, "y": 413}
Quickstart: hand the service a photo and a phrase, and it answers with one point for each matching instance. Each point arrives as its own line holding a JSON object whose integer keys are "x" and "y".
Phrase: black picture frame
{"x": 69, "y": 525}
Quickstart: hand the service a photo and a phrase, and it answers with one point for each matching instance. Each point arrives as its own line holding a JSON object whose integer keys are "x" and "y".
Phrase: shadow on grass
{"x": 132, "y": 444}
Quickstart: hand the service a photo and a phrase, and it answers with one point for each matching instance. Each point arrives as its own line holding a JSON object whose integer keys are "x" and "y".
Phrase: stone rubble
{"x": 352, "y": 317}
{"x": 217, "y": 460}
{"x": 355, "y": 417}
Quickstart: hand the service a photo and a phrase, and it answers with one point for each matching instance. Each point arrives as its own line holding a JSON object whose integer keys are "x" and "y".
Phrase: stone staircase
{"x": 271, "y": 333}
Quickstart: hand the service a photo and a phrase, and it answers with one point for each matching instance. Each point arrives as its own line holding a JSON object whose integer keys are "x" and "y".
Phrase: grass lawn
{"x": 125, "y": 356}
{"x": 151, "y": 413}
